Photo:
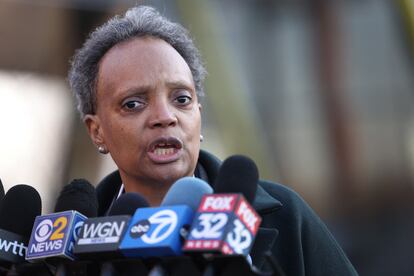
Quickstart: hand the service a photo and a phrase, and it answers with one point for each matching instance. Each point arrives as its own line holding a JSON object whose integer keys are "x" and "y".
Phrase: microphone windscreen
{"x": 1, "y": 191}
{"x": 238, "y": 174}
{"x": 127, "y": 204}
{"x": 187, "y": 191}
{"x": 20, "y": 206}
{"x": 79, "y": 195}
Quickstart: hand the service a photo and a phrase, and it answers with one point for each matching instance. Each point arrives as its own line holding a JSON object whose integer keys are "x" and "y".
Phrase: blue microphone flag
{"x": 54, "y": 235}
{"x": 155, "y": 232}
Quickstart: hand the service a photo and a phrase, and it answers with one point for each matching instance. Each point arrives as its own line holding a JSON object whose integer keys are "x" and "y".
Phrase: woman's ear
{"x": 93, "y": 125}
{"x": 200, "y": 107}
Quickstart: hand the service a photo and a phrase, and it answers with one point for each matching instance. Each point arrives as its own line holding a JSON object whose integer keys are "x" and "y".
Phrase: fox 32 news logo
{"x": 156, "y": 228}
{"x": 215, "y": 226}
{"x": 224, "y": 223}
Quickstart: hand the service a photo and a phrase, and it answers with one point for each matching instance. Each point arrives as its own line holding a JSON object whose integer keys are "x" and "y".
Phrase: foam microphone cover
{"x": 187, "y": 191}
{"x": 127, "y": 204}
{"x": 79, "y": 195}
{"x": 1, "y": 191}
{"x": 238, "y": 174}
{"x": 20, "y": 206}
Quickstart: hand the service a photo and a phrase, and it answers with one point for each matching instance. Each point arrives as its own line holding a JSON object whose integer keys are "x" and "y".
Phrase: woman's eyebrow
{"x": 179, "y": 83}
{"x": 135, "y": 91}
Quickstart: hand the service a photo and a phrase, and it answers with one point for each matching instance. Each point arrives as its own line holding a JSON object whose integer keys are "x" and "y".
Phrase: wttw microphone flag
{"x": 224, "y": 223}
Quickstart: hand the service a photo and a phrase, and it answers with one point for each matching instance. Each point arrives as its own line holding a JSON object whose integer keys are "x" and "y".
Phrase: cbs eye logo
{"x": 47, "y": 229}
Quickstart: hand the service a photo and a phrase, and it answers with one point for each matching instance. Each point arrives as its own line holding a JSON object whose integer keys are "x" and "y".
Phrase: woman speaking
{"x": 137, "y": 80}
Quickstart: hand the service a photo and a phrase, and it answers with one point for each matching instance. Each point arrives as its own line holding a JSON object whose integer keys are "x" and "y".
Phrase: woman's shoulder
{"x": 106, "y": 190}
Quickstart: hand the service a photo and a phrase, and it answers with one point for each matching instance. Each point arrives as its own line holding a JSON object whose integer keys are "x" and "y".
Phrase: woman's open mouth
{"x": 165, "y": 150}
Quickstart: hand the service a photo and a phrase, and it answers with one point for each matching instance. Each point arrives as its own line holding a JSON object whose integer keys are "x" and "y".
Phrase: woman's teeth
{"x": 164, "y": 151}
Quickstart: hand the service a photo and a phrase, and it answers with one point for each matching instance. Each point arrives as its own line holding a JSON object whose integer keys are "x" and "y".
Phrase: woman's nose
{"x": 162, "y": 115}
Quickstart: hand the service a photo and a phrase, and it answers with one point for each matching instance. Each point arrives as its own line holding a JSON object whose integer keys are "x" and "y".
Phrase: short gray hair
{"x": 137, "y": 22}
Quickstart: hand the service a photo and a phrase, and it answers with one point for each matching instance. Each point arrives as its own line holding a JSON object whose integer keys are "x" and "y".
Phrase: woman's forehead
{"x": 143, "y": 62}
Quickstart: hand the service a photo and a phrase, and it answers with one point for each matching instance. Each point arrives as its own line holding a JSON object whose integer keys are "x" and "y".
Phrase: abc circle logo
{"x": 165, "y": 221}
{"x": 43, "y": 230}
{"x": 140, "y": 228}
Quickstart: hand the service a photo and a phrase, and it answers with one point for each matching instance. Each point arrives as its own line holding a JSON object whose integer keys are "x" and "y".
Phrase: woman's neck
{"x": 154, "y": 194}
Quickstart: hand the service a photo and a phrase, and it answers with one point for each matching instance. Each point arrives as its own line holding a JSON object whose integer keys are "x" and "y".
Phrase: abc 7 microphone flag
{"x": 224, "y": 223}
{"x": 54, "y": 235}
{"x": 155, "y": 231}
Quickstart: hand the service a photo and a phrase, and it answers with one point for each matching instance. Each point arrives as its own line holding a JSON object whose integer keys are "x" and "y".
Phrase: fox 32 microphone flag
{"x": 224, "y": 223}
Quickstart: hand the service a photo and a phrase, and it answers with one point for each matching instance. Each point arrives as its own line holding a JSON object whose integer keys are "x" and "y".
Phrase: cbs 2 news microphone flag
{"x": 225, "y": 224}
{"x": 54, "y": 235}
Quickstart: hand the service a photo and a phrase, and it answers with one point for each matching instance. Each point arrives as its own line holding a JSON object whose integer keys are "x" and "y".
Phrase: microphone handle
{"x": 107, "y": 269}
{"x": 61, "y": 270}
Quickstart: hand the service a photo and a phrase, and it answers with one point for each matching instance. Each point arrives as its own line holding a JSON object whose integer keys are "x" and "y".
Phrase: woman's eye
{"x": 131, "y": 105}
{"x": 183, "y": 100}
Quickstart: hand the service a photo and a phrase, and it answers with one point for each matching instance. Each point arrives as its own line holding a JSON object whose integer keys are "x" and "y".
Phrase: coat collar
{"x": 264, "y": 203}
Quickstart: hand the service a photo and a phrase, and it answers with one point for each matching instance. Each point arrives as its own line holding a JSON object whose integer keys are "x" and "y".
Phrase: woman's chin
{"x": 168, "y": 173}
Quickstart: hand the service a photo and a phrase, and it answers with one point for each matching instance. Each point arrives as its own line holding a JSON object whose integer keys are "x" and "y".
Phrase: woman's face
{"x": 148, "y": 114}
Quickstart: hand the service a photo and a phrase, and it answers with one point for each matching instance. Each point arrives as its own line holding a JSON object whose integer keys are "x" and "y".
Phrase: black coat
{"x": 297, "y": 238}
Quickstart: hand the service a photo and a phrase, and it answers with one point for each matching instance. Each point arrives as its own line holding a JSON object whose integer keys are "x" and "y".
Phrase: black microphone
{"x": 1, "y": 192}
{"x": 79, "y": 195}
{"x": 20, "y": 206}
{"x": 127, "y": 204}
{"x": 226, "y": 223}
{"x": 100, "y": 237}
{"x": 238, "y": 174}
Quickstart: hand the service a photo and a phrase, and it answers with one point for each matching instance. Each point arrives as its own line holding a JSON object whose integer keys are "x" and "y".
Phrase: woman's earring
{"x": 201, "y": 138}
{"x": 102, "y": 150}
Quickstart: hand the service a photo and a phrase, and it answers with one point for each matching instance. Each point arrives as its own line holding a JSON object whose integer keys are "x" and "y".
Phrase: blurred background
{"x": 319, "y": 93}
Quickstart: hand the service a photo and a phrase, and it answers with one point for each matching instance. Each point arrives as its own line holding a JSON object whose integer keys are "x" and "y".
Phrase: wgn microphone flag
{"x": 227, "y": 223}
{"x": 20, "y": 206}
{"x": 54, "y": 235}
{"x": 100, "y": 237}
{"x": 156, "y": 232}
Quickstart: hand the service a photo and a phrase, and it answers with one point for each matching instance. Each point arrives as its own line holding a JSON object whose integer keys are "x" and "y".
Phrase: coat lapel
{"x": 263, "y": 243}
{"x": 265, "y": 205}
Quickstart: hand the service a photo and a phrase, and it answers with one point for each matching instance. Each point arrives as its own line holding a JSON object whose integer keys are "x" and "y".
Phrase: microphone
{"x": 156, "y": 231}
{"x": 20, "y": 206}
{"x": 127, "y": 204}
{"x": 188, "y": 191}
{"x": 100, "y": 237}
{"x": 1, "y": 192}
{"x": 238, "y": 174}
{"x": 54, "y": 235}
{"x": 79, "y": 195}
{"x": 227, "y": 223}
